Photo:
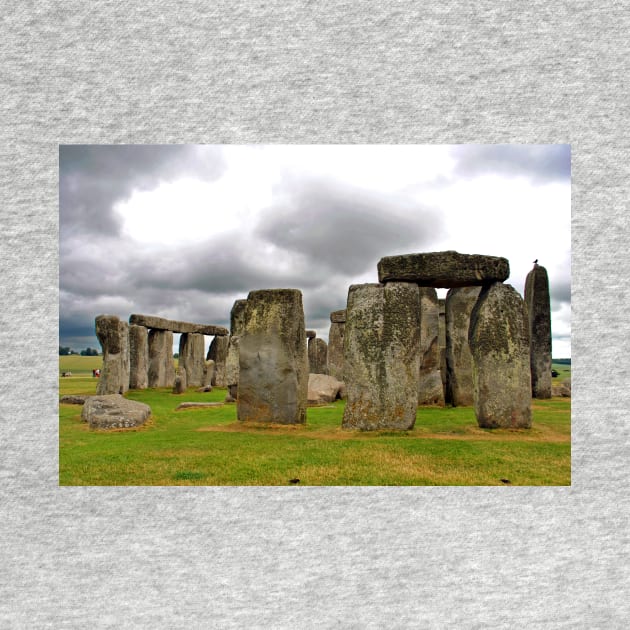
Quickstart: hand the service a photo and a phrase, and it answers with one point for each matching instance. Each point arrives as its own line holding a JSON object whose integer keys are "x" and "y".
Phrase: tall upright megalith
{"x": 317, "y": 356}
{"x": 442, "y": 342}
{"x": 539, "y": 308}
{"x": 138, "y": 357}
{"x": 273, "y": 361}
{"x": 237, "y": 324}
{"x": 191, "y": 357}
{"x": 382, "y": 356}
{"x": 113, "y": 335}
{"x": 430, "y": 388}
{"x": 335, "y": 344}
{"x": 459, "y": 367}
{"x": 161, "y": 364}
{"x": 499, "y": 344}
{"x": 217, "y": 352}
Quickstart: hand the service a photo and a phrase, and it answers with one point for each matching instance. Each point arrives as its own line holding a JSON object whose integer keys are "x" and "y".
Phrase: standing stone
{"x": 191, "y": 357}
{"x": 273, "y": 362}
{"x": 113, "y": 335}
{"x": 459, "y": 363}
{"x": 208, "y": 375}
{"x": 382, "y": 356}
{"x": 180, "y": 385}
{"x": 317, "y": 356}
{"x": 138, "y": 357}
{"x": 161, "y": 364}
{"x": 430, "y": 389}
{"x": 237, "y": 323}
{"x": 499, "y": 343}
{"x": 442, "y": 342}
{"x": 539, "y": 308}
{"x": 335, "y": 344}
{"x": 217, "y": 352}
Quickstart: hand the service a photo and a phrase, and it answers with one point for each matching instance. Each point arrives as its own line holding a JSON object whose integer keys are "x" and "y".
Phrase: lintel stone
{"x": 159, "y": 323}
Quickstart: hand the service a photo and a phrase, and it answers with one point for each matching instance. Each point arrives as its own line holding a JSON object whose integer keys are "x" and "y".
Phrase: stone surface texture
{"x": 323, "y": 389}
{"x": 237, "y": 323}
{"x": 335, "y": 349}
{"x": 273, "y": 362}
{"x": 317, "y": 356}
{"x": 217, "y": 352}
{"x": 138, "y": 357}
{"x": 459, "y": 367}
{"x": 443, "y": 269}
{"x": 74, "y": 399}
{"x": 160, "y": 323}
{"x": 499, "y": 344}
{"x": 430, "y": 387}
{"x": 311, "y": 334}
{"x": 382, "y": 356}
{"x": 208, "y": 373}
{"x": 539, "y": 309}
{"x": 192, "y": 357}
{"x": 112, "y": 411}
{"x": 180, "y": 385}
{"x": 338, "y": 317}
{"x": 161, "y": 364}
{"x": 113, "y": 335}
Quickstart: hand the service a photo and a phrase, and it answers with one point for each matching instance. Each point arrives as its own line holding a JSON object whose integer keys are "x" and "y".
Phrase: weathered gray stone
{"x": 459, "y": 383}
{"x": 159, "y": 323}
{"x": 191, "y": 357}
{"x": 208, "y": 374}
{"x": 181, "y": 384}
{"x": 338, "y": 317}
{"x": 499, "y": 344}
{"x": 382, "y": 356}
{"x": 539, "y": 308}
{"x": 217, "y": 352}
{"x": 113, "y": 335}
{"x": 114, "y": 412}
{"x": 430, "y": 389}
{"x": 442, "y": 342}
{"x": 322, "y": 389}
{"x": 311, "y": 334}
{"x": 74, "y": 399}
{"x": 138, "y": 357}
{"x": 317, "y": 356}
{"x": 335, "y": 350}
{"x": 161, "y": 364}
{"x": 443, "y": 269}
{"x": 273, "y": 362}
{"x": 237, "y": 324}
{"x": 563, "y": 389}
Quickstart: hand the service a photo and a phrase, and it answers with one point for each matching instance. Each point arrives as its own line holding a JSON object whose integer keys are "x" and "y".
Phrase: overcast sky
{"x": 183, "y": 231}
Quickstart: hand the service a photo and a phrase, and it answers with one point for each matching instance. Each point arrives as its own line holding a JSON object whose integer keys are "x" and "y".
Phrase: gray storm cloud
{"x": 541, "y": 164}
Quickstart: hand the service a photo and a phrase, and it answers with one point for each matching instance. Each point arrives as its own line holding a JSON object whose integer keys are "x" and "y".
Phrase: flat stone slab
{"x": 73, "y": 399}
{"x": 197, "y": 405}
{"x": 443, "y": 269}
{"x": 112, "y": 411}
{"x": 159, "y": 323}
{"x": 338, "y": 317}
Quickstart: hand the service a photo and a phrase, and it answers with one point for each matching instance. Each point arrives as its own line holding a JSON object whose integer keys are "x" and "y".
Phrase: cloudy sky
{"x": 182, "y": 231}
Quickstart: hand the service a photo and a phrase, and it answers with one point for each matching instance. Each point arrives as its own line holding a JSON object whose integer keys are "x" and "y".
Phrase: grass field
{"x": 210, "y": 447}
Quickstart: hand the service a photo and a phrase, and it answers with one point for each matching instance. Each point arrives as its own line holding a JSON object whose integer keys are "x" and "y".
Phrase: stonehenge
{"x": 140, "y": 354}
{"x": 539, "y": 309}
{"x": 273, "y": 361}
{"x": 394, "y": 347}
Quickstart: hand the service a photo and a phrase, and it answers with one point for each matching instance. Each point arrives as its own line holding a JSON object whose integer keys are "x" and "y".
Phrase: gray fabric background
{"x": 313, "y": 72}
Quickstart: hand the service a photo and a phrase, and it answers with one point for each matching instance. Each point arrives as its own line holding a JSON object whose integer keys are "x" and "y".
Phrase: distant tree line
{"x": 64, "y": 351}
{"x": 561, "y": 361}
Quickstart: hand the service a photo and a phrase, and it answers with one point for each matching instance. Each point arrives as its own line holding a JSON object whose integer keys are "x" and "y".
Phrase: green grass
{"x": 210, "y": 447}
{"x": 564, "y": 372}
